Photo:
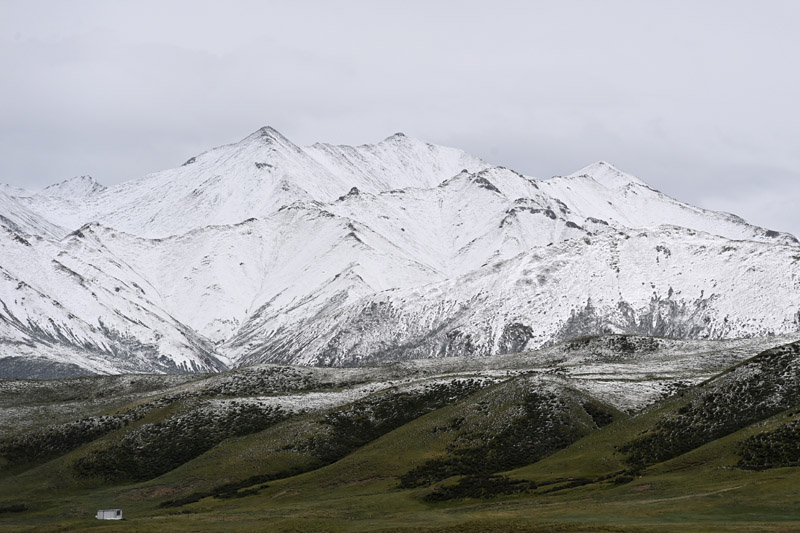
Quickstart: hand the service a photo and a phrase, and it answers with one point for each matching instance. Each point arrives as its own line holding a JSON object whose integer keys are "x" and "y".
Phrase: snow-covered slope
{"x": 667, "y": 282}
{"x": 253, "y": 178}
{"x": 15, "y": 191}
{"x": 266, "y": 251}
{"x": 18, "y": 217}
{"x": 73, "y": 303}
{"x": 77, "y": 187}
{"x": 604, "y": 192}
{"x": 214, "y": 279}
{"x": 397, "y": 162}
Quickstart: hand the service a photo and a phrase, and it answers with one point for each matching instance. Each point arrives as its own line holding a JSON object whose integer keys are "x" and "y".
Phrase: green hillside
{"x": 416, "y": 447}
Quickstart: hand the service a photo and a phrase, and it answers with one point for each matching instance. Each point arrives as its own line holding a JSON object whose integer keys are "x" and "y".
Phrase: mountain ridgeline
{"x": 264, "y": 251}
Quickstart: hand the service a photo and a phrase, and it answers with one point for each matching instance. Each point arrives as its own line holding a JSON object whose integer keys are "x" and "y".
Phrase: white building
{"x": 109, "y": 514}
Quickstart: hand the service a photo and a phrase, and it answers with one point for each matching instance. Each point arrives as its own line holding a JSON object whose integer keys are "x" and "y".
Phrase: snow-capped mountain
{"x": 668, "y": 282}
{"x": 77, "y": 187}
{"x": 16, "y": 216}
{"x": 266, "y": 251}
{"x": 71, "y": 303}
{"x": 253, "y": 178}
{"x": 10, "y": 190}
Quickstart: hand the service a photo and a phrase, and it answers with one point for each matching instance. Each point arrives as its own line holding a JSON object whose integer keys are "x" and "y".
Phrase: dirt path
{"x": 688, "y": 496}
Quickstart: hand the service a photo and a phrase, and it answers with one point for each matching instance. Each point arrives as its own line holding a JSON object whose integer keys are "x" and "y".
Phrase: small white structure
{"x": 109, "y": 514}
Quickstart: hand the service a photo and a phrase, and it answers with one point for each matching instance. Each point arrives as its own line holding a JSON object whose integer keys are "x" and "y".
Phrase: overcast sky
{"x": 697, "y": 98}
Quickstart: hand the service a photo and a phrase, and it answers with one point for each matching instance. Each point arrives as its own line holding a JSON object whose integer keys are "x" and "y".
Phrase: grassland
{"x": 526, "y": 452}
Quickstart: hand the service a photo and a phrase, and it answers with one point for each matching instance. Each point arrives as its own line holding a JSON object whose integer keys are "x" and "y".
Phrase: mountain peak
{"x": 268, "y": 134}
{"x": 397, "y": 137}
{"x": 77, "y": 187}
{"x": 267, "y": 131}
{"x": 608, "y": 175}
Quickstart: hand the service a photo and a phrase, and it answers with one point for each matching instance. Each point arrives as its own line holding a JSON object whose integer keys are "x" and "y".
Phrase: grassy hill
{"x": 545, "y": 441}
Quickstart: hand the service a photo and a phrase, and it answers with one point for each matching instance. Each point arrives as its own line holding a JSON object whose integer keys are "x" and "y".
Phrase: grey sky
{"x": 699, "y": 99}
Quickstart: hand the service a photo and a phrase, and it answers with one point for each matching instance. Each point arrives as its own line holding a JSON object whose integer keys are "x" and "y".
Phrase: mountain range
{"x": 265, "y": 251}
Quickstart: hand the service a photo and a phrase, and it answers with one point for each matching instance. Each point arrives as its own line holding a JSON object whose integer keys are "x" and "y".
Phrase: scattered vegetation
{"x": 15, "y": 508}
{"x": 153, "y": 449}
{"x": 479, "y": 486}
{"x": 600, "y": 415}
{"x": 59, "y": 439}
{"x": 264, "y": 380}
{"x": 233, "y": 489}
{"x": 365, "y": 420}
{"x": 752, "y": 391}
{"x": 614, "y": 344}
{"x": 56, "y": 440}
{"x": 771, "y": 449}
{"x": 545, "y": 425}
